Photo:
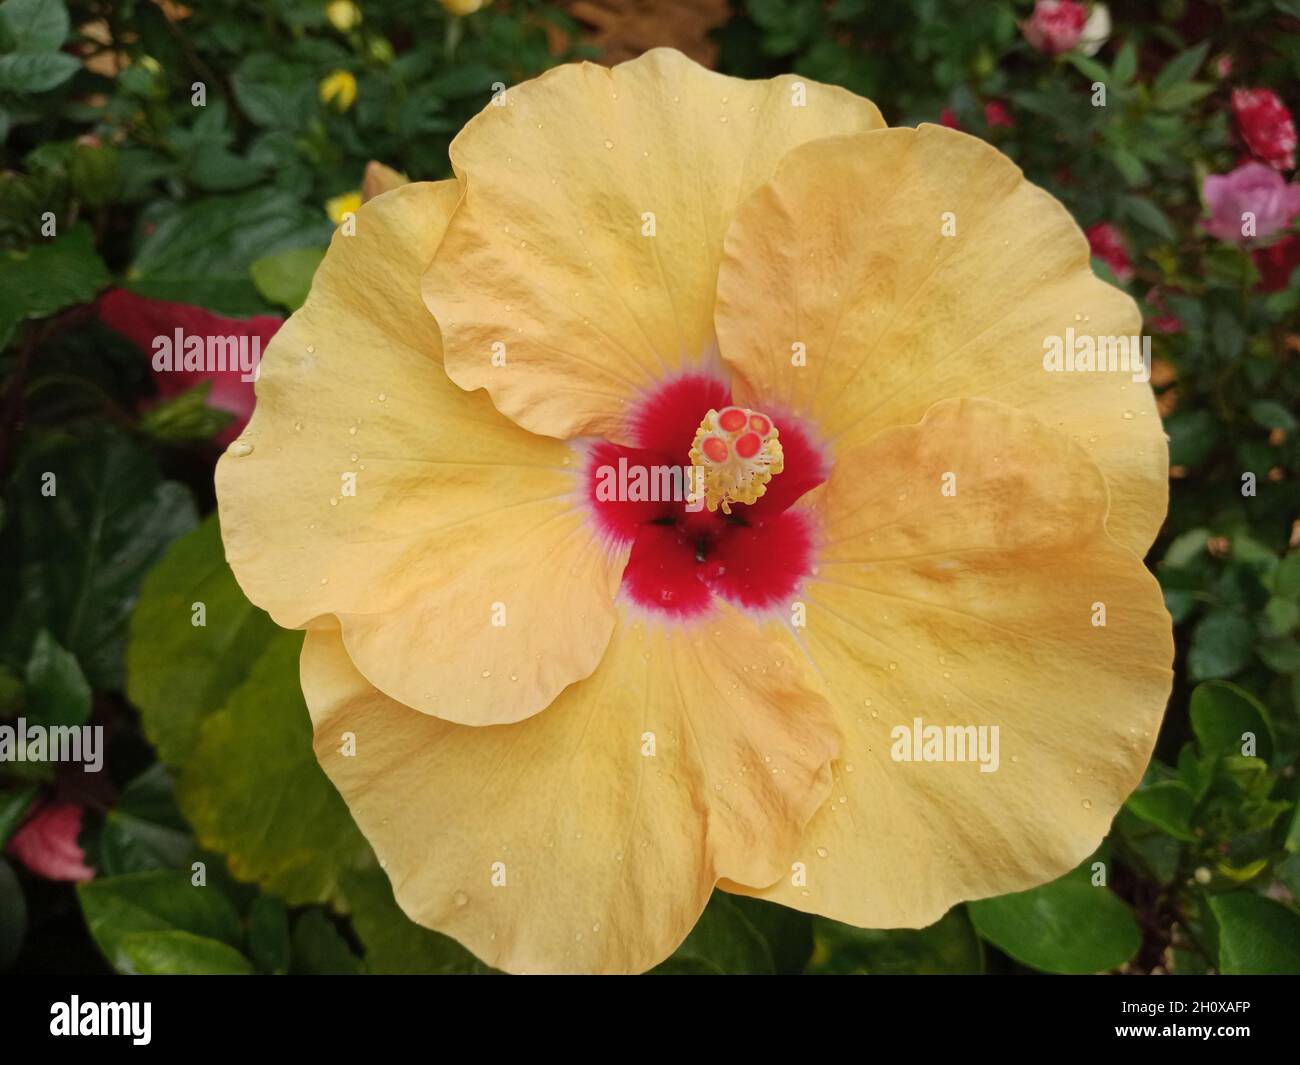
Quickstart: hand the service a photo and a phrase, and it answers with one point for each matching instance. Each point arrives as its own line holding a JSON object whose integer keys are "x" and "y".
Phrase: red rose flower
{"x": 1107, "y": 244}
{"x": 1163, "y": 321}
{"x": 996, "y": 114}
{"x": 1277, "y": 262}
{"x": 1266, "y": 126}
{"x": 948, "y": 117}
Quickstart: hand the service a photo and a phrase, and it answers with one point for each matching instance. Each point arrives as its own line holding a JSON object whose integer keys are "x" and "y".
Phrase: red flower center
{"x": 683, "y": 555}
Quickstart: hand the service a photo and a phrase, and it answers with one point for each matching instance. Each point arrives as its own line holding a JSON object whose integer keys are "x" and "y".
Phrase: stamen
{"x": 738, "y": 452}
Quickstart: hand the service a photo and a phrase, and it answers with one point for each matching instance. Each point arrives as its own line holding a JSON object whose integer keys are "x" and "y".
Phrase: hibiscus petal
{"x": 47, "y": 843}
{"x": 607, "y": 852}
{"x": 465, "y": 571}
{"x": 973, "y": 609}
{"x": 845, "y": 253}
{"x": 550, "y": 255}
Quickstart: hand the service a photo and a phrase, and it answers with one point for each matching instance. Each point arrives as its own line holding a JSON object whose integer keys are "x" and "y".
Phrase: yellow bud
{"x": 339, "y": 207}
{"x": 343, "y": 15}
{"x": 463, "y": 7}
{"x": 339, "y": 89}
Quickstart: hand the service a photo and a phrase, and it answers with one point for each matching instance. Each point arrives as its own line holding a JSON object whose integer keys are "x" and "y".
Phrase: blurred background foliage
{"x": 222, "y": 210}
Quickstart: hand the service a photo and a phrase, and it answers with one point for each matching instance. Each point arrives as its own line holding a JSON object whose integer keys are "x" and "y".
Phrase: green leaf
{"x": 319, "y": 950}
{"x": 255, "y": 756}
{"x": 1192, "y": 436}
{"x": 1286, "y": 579}
{"x": 1271, "y": 414}
{"x": 285, "y": 277}
{"x": 950, "y": 945}
{"x": 173, "y": 953}
{"x": 1186, "y": 548}
{"x": 393, "y": 942}
{"x": 1168, "y": 805}
{"x": 1228, "y": 334}
{"x": 161, "y": 901}
{"x": 1089, "y": 68}
{"x": 1181, "y": 96}
{"x": 1125, "y": 63}
{"x": 13, "y": 808}
{"x": 202, "y": 253}
{"x": 35, "y": 25}
{"x": 56, "y": 273}
{"x": 178, "y": 672}
{"x": 1131, "y": 168}
{"x": 215, "y": 169}
{"x": 1181, "y": 68}
{"x": 273, "y": 93}
{"x": 32, "y": 72}
{"x": 789, "y": 933}
{"x": 1221, "y": 713}
{"x": 13, "y": 915}
{"x": 1282, "y": 655}
{"x": 1146, "y": 214}
{"x": 85, "y": 548}
{"x": 57, "y": 692}
{"x": 185, "y": 417}
{"x": 1221, "y": 644}
{"x": 1067, "y": 926}
{"x": 722, "y": 941}
{"x": 144, "y": 830}
{"x": 1292, "y": 841}
{"x": 1256, "y": 935}
{"x": 268, "y": 934}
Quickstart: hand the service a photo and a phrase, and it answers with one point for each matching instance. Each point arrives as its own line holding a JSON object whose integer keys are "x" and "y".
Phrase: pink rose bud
{"x": 1055, "y": 26}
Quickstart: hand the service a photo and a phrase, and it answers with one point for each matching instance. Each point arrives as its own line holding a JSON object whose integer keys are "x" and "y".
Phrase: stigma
{"x": 735, "y": 453}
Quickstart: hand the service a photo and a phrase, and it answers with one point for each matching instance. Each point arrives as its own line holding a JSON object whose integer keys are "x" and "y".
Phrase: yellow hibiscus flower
{"x": 562, "y": 715}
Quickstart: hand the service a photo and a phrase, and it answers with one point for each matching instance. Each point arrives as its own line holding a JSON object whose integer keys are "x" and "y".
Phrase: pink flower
{"x": 996, "y": 114}
{"x": 144, "y": 322}
{"x": 1055, "y": 26}
{"x": 47, "y": 843}
{"x": 1107, "y": 244}
{"x": 1249, "y": 203}
{"x": 1265, "y": 126}
{"x": 948, "y": 117}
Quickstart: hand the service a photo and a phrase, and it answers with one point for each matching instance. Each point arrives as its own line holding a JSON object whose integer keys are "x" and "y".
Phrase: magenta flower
{"x": 1250, "y": 203}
